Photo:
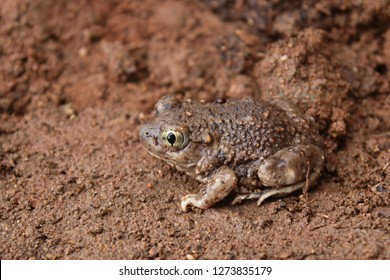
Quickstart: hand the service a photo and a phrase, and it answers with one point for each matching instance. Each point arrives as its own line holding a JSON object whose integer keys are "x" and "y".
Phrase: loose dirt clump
{"x": 303, "y": 69}
{"x": 78, "y": 78}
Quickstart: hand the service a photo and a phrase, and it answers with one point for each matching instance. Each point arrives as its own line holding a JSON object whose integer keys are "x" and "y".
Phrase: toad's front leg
{"x": 220, "y": 184}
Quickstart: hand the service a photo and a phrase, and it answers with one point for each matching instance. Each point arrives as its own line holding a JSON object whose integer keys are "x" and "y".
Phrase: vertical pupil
{"x": 171, "y": 138}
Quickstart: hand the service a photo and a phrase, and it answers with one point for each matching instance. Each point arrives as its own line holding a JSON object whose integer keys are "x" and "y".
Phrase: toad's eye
{"x": 172, "y": 138}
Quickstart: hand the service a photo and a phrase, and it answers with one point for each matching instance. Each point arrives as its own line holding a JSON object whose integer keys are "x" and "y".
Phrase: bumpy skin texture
{"x": 236, "y": 143}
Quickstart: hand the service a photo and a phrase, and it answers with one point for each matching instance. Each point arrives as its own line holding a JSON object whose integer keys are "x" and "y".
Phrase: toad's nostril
{"x": 145, "y": 132}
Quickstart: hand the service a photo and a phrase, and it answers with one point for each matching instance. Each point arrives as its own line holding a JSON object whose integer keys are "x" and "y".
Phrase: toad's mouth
{"x": 178, "y": 165}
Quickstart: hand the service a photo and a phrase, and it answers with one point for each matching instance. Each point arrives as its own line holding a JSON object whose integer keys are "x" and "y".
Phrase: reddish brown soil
{"x": 77, "y": 79}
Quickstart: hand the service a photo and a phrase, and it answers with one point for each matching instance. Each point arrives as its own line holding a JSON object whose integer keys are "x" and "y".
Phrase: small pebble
{"x": 83, "y": 52}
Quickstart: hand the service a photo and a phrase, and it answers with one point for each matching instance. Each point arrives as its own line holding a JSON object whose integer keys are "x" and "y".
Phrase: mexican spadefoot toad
{"x": 256, "y": 148}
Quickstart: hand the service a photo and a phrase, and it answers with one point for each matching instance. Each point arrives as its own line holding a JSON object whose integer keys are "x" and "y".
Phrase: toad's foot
{"x": 219, "y": 186}
{"x": 240, "y": 197}
{"x": 281, "y": 192}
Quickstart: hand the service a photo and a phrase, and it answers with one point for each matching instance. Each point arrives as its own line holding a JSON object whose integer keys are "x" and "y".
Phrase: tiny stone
{"x": 283, "y": 57}
{"x": 83, "y": 52}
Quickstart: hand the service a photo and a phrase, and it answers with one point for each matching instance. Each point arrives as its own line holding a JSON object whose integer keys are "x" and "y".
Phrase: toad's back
{"x": 252, "y": 129}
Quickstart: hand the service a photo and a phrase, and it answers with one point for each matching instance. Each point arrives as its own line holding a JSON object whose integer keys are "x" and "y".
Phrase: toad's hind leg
{"x": 284, "y": 191}
{"x": 264, "y": 194}
{"x": 290, "y": 169}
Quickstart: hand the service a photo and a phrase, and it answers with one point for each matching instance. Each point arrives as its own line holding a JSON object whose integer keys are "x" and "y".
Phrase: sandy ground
{"x": 78, "y": 78}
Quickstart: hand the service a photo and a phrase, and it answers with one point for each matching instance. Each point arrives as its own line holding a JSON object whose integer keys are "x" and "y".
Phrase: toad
{"x": 256, "y": 149}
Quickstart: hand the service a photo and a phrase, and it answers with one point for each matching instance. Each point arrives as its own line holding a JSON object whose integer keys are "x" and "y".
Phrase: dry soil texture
{"x": 78, "y": 78}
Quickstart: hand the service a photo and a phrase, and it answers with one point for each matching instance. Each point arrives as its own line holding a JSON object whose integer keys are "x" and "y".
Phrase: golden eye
{"x": 172, "y": 138}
